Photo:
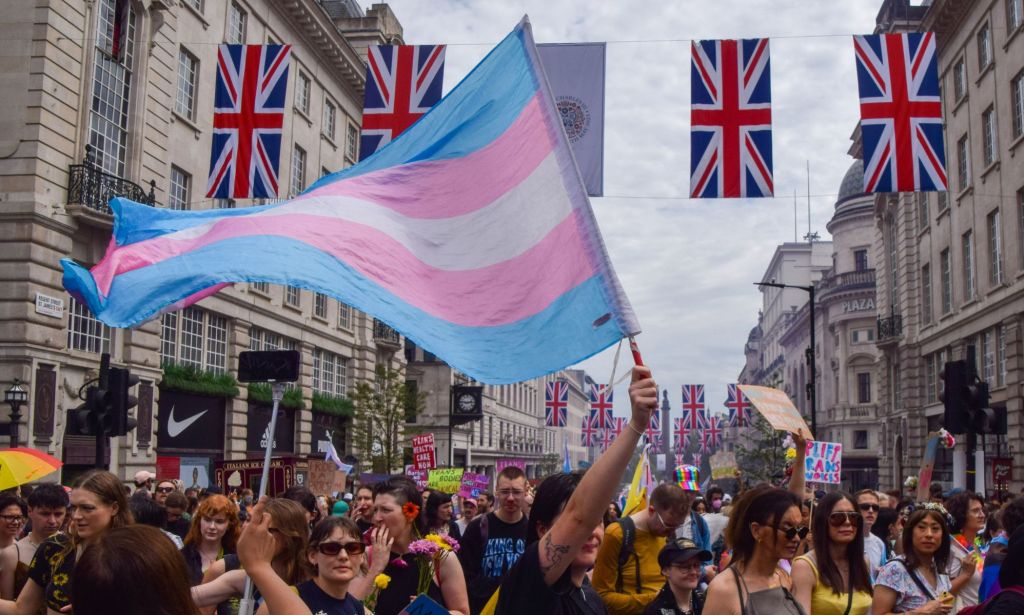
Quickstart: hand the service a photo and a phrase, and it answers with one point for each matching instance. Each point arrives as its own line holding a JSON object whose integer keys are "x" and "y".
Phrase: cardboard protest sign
{"x": 504, "y": 463}
{"x": 473, "y": 484}
{"x": 338, "y": 485}
{"x": 931, "y": 448}
{"x": 445, "y": 480}
{"x": 723, "y": 465}
{"x": 776, "y": 408}
{"x": 420, "y": 476}
{"x": 824, "y": 462}
{"x": 321, "y": 476}
{"x": 423, "y": 452}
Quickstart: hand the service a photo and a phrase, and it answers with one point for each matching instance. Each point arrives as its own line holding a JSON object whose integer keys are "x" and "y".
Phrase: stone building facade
{"x": 83, "y": 123}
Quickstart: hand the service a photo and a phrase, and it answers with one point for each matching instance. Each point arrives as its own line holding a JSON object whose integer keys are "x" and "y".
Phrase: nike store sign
{"x": 190, "y": 422}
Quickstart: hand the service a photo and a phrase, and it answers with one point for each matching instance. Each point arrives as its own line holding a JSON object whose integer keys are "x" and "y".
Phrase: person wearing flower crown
{"x": 967, "y": 550}
{"x": 916, "y": 581}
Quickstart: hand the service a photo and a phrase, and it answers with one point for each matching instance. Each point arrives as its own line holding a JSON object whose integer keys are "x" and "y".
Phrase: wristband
{"x": 633, "y": 427}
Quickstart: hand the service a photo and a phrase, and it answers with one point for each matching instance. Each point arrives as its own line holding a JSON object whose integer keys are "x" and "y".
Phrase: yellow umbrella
{"x": 24, "y": 465}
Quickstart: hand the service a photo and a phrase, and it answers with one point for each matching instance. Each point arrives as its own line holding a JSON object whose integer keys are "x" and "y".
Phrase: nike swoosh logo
{"x": 174, "y": 428}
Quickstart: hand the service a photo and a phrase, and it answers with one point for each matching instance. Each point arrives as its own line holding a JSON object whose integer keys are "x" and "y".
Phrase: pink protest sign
{"x": 824, "y": 462}
{"x": 473, "y": 484}
{"x": 501, "y": 464}
{"x": 420, "y": 476}
{"x": 423, "y": 455}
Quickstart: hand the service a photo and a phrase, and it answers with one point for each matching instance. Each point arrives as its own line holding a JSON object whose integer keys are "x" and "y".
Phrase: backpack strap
{"x": 628, "y": 539}
{"x": 920, "y": 584}
{"x": 485, "y": 528}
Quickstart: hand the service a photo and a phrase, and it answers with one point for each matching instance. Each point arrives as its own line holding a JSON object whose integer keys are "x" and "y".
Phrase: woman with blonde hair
{"x": 212, "y": 535}
{"x": 98, "y": 504}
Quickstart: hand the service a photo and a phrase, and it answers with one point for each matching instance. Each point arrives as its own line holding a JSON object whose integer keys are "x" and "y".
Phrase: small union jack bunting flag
{"x": 601, "y": 402}
{"x": 556, "y": 403}
{"x": 730, "y": 119}
{"x": 402, "y": 83}
{"x": 588, "y": 432}
{"x": 900, "y": 112}
{"x": 739, "y": 407}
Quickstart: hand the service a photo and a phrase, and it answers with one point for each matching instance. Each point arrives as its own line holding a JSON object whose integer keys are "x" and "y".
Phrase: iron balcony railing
{"x": 890, "y": 328}
{"x": 385, "y": 334}
{"x": 90, "y": 186}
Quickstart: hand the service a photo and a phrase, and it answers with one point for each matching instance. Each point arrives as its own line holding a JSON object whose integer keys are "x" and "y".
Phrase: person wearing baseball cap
{"x": 143, "y": 481}
{"x": 681, "y": 562}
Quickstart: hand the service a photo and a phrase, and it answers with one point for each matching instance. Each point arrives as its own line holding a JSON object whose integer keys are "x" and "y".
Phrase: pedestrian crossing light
{"x": 117, "y": 422}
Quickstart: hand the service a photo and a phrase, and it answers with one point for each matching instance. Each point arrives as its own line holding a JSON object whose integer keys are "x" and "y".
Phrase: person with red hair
{"x": 213, "y": 534}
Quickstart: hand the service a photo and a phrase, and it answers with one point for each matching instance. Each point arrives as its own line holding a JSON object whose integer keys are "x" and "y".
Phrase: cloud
{"x": 687, "y": 266}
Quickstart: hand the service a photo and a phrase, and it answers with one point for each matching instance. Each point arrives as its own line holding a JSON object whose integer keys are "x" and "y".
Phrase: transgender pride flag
{"x": 470, "y": 233}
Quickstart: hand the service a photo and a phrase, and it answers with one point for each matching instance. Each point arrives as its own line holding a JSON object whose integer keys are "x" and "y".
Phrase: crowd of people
{"x": 558, "y": 548}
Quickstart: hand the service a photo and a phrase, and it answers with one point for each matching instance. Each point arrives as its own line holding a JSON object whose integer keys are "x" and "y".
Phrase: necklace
{"x": 689, "y": 606}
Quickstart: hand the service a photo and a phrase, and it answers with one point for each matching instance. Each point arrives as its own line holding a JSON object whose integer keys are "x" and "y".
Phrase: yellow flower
{"x": 440, "y": 542}
{"x": 60, "y": 578}
{"x": 381, "y": 581}
{"x": 790, "y": 454}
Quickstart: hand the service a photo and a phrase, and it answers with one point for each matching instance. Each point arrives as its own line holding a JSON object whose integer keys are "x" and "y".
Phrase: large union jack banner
{"x": 713, "y": 432}
{"x": 248, "y": 112}
{"x": 601, "y": 403}
{"x": 739, "y": 407}
{"x": 402, "y": 83}
{"x": 730, "y": 119}
{"x": 556, "y": 403}
{"x": 693, "y": 409}
{"x": 900, "y": 112}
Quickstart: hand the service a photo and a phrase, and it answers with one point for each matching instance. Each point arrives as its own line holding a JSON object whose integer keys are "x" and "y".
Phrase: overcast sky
{"x": 686, "y": 265}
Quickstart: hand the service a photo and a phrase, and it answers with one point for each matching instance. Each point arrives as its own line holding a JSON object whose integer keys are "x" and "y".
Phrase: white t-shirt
{"x": 968, "y": 593}
{"x": 716, "y": 524}
{"x": 874, "y": 551}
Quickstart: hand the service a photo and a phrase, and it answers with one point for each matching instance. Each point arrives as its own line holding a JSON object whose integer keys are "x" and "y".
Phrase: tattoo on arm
{"x": 554, "y": 554}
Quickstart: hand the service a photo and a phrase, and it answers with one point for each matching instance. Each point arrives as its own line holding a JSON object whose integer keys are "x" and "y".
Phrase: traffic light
{"x": 79, "y": 420}
{"x": 954, "y": 396}
{"x": 982, "y": 418}
{"x": 121, "y": 381}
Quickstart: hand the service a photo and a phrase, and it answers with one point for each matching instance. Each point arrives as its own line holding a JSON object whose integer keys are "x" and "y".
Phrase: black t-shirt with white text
{"x": 485, "y": 562}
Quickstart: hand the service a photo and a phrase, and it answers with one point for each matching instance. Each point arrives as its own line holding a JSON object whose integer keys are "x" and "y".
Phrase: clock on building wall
{"x": 467, "y": 403}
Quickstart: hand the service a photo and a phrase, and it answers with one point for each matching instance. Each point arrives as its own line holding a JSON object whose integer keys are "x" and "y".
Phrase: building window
{"x": 302, "y": 87}
{"x": 196, "y": 338}
{"x": 995, "y": 250}
{"x": 260, "y": 287}
{"x": 85, "y": 331}
{"x": 929, "y": 379}
{"x": 893, "y": 265}
{"x": 959, "y": 79}
{"x": 261, "y": 339}
{"x": 320, "y": 305}
{"x": 188, "y": 74}
{"x": 926, "y": 294}
{"x": 292, "y": 296}
{"x": 864, "y": 388}
{"x": 943, "y": 200}
{"x": 330, "y": 373}
{"x": 1000, "y": 356}
{"x": 860, "y": 260}
{"x": 1014, "y": 15}
{"x": 1020, "y": 223}
{"x": 298, "y": 179}
{"x": 945, "y": 271}
{"x": 963, "y": 166}
{"x": 237, "y": 18}
{"x": 1017, "y": 94}
{"x": 330, "y": 119}
{"x": 351, "y": 142}
{"x": 196, "y": 4}
{"x": 111, "y": 91}
{"x": 984, "y": 47}
{"x": 988, "y": 356}
{"x": 922, "y": 210}
{"x": 179, "y": 195}
{"x": 344, "y": 315}
{"x": 967, "y": 249}
{"x": 860, "y": 439}
{"x": 988, "y": 133}
{"x": 861, "y": 336}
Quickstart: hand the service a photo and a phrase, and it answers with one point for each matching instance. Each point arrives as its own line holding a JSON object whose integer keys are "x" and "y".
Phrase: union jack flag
{"x": 653, "y": 431}
{"x": 556, "y": 403}
{"x": 248, "y": 112}
{"x": 606, "y": 437}
{"x": 588, "y": 432}
{"x": 730, "y": 119}
{"x": 402, "y": 83}
{"x": 679, "y": 459}
{"x": 697, "y": 459}
{"x": 739, "y": 407}
{"x": 713, "y": 432}
{"x": 693, "y": 409}
{"x": 900, "y": 112}
{"x": 680, "y": 434}
{"x": 620, "y": 424}
{"x": 601, "y": 403}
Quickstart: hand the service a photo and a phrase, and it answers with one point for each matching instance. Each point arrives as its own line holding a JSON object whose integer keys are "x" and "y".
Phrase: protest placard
{"x": 723, "y": 465}
{"x": 823, "y": 463}
{"x": 420, "y": 476}
{"x": 321, "y": 476}
{"x": 501, "y": 464}
{"x": 473, "y": 484}
{"x": 445, "y": 480}
{"x": 339, "y": 484}
{"x": 776, "y": 408}
{"x": 423, "y": 452}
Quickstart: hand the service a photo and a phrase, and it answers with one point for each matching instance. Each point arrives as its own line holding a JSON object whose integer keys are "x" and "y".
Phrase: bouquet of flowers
{"x": 946, "y": 439}
{"x": 430, "y": 551}
{"x": 911, "y": 483}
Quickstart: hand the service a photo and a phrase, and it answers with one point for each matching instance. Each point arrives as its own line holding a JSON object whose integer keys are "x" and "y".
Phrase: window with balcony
{"x": 967, "y": 255}
{"x": 926, "y": 294}
{"x": 330, "y": 373}
{"x": 194, "y": 337}
{"x": 298, "y": 177}
{"x": 85, "y": 332}
{"x": 864, "y": 388}
{"x": 237, "y": 18}
{"x": 1017, "y": 96}
{"x": 860, "y": 260}
{"x": 984, "y": 47}
{"x": 180, "y": 193}
{"x": 963, "y": 164}
{"x": 111, "y": 90}
{"x": 988, "y": 133}
{"x": 959, "y": 79}
{"x": 945, "y": 271}
{"x": 188, "y": 83}
{"x": 330, "y": 119}
{"x": 995, "y": 249}
{"x": 320, "y": 305}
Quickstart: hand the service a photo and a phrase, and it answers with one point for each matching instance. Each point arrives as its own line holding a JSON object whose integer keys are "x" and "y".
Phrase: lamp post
{"x": 15, "y": 397}
{"x": 812, "y": 385}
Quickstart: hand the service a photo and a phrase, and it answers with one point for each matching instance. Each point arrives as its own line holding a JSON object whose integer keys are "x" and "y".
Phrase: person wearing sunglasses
{"x": 682, "y": 562}
{"x": 764, "y": 528}
{"x": 874, "y": 549}
{"x": 335, "y": 552}
{"x": 832, "y": 579}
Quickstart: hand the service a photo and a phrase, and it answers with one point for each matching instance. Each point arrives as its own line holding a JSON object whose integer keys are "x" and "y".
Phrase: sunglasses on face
{"x": 838, "y": 519}
{"x": 872, "y": 507}
{"x": 164, "y": 489}
{"x": 794, "y": 532}
{"x": 331, "y": 549}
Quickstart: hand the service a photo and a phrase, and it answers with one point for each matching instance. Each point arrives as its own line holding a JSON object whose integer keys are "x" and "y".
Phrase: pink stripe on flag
{"x": 439, "y": 188}
{"x": 495, "y": 295}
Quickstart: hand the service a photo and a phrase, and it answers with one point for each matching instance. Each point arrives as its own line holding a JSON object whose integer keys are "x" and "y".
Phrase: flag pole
{"x": 633, "y": 348}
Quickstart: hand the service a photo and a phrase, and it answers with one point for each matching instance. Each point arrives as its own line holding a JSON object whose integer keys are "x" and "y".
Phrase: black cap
{"x": 680, "y": 549}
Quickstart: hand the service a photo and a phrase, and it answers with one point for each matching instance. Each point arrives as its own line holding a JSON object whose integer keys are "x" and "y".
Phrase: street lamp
{"x": 15, "y": 397}
{"x": 812, "y": 385}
